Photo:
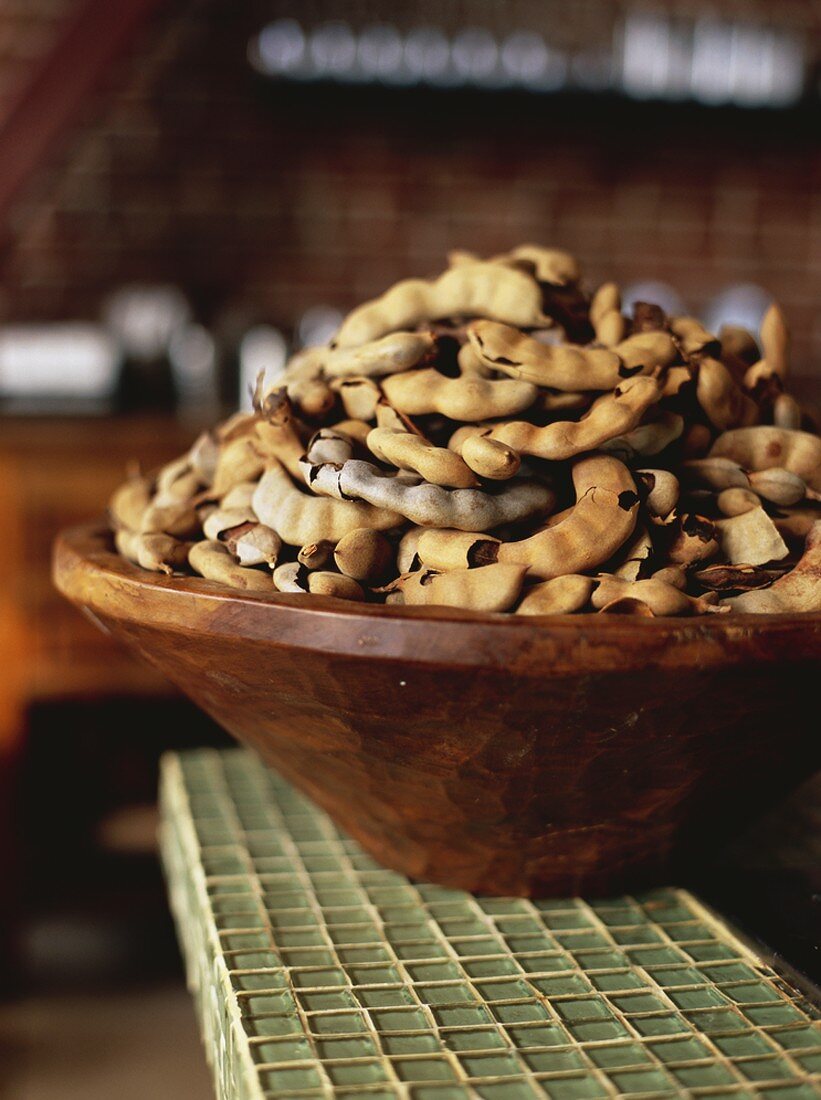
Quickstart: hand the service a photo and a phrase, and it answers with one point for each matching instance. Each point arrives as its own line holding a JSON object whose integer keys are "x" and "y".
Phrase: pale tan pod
{"x": 787, "y": 412}
{"x": 365, "y": 555}
{"x": 661, "y": 491}
{"x": 799, "y": 590}
{"x": 239, "y": 460}
{"x": 549, "y": 265}
{"x": 736, "y": 501}
{"x": 751, "y": 538}
{"x": 223, "y": 519}
{"x": 279, "y": 435}
{"x": 447, "y": 548}
{"x": 179, "y": 519}
{"x": 359, "y": 396}
{"x": 610, "y": 328}
{"x": 719, "y": 473}
{"x": 659, "y": 596}
{"x": 240, "y": 497}
{"x": 129, "y": 502}
{"x": 721, "y": 398}
{"x": 290, "y": 577}
{"x": 775, "y": 341}
{"x": 213, "y": 561}
{"x": 676, "y": 575}
{"x": 489, "y": 588}
{"x": 778, "y": 486}
{"x": 607, "y": 298}
{"x": 559, "y": 596}
{"x": 647, "y": 439}
{"x": 254, "y": 544}
{"x": 357, "y": 430}
{"x": 647, "y": 351}
{"x": 467, "y": 398}
{"x": 203, "y": 455}
{"x": 315, "y": 555}
{"x": 393, "y": 353}
{"x": 693, "y": 337}
{"x": 335, "y": 584}
{"x": 406, "y": 551}
{"x": 764, "y": 446}
{"x": 437, "y": 465}
{"x": 490, "y": 458}
{"x": 634, "y": 557}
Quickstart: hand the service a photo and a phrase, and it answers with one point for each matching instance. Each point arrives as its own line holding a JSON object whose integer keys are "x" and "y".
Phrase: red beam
{"x": 40, "y": 120}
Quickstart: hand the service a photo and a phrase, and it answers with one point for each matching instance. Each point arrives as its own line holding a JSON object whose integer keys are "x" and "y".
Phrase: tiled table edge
{"x": 236, "y": 1074}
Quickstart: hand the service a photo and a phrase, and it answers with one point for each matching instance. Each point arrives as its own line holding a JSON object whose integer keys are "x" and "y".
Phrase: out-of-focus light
{"x": 192, "y": 353}
{"x": 476, "y": 56}
{"x": 427, "y": 55}
{"x": 655, "y": 58}
{"x": 317, "y": 325}
{"x": 711, "y": 67}
{"x": 332, "y": 49}
{"x": 144, "y": 319}
{"x": 280, "y": 48}
{"x": 528, "y": 60}
{"x": 72, "y": 360}
{"x": 739, "y": 304}
{"x": 380, "y": 54}
{"x": 262, "y": 351}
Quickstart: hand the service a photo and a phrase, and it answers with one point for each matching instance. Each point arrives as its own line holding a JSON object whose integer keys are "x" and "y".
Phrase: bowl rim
{"x": 88, "y": 571}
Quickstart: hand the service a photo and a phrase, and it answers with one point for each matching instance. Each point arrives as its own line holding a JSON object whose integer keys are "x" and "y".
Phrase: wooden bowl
{"x": 496, "y": 753}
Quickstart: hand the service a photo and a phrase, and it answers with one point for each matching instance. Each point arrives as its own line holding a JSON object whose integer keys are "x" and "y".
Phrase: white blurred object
{"x": 144, "y": 318}
{"x": 740, "y": 304}
{"x": 332, "y": 50}
{"x": 193, "y": 356}
{"x": 476, "y": 57}
{"x": 380, "y": 54}
{"x": 318, "y": 325}
{"x": 262, "y": 351}
{"x": 55, "y": 362}
{"x": 529, "y": 61}
{"x": 657, "y": 294}
{"x": 427, "y": 55}
{"x": 279, "y": 49}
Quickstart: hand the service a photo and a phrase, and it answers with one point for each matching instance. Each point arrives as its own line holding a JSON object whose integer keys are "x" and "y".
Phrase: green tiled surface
{"x": 318, "y": 973}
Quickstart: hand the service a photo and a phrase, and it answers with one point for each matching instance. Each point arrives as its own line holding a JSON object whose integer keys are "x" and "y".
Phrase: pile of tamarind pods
{"x": 499, "y": 439}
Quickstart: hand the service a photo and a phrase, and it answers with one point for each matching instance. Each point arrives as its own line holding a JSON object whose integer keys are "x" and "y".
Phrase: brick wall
{"x": 269, "y": 199}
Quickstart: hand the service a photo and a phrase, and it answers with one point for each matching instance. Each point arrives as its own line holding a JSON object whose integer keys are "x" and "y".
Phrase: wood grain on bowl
{"x": 496, "y": 753}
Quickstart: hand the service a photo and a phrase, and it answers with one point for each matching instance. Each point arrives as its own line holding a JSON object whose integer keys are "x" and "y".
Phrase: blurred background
{"x": 189, "y": 189}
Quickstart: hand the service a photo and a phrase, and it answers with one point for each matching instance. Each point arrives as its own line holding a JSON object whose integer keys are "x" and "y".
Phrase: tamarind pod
{"x": 179, "y": 519}
{"x": 718, "y": 473}
{"x": 696, "y": 441}
{"x": 171, "y": 473}
{"x": 674, "y": 381}
{"x": 489, "y": 458}
{"x": 555, "y": 402}
{"x": 795, "y": 523}
{"x": 305, "y": 383}
{"x": 389, "y": 417}
{"x": 779, "y": 486}
{"x": 676, "y": 575}
{"x": 775, "y": 341}
{"x": 736, "y": 501}
{"x": 315, "y": 555}
{"x": 489, "y": 588}
{"x": 559, "y": 366}
{"x": 660, "y": 597}
{"x": 602, "y": 520}
{"x": 787, "y": 412}
{"x": 660, "y": 489}
{"x": 559, "y": 596}
{"x": 398, "y": 351}
{"x": 407, "y": 558}
{"x": 335, "y": 584}
{"x": 223, "y": 519}
{"x": 325, "y": 445}
{"x": 356, "y": 430}
{"x": 239, "y": 497}
{"x": 646, "y": 352}
{"x": 725, "y": 404}
{"x": 693, "y": 337}
{"x": 431, "y": 505}
{"x": 446, "y": 548}
{"x": 469, "y": 290}
{"x": 467, "y": 398}
{"x": 634, "y": 557}
{"x": 129, "y": 502}
{"x": 610, "y": 416}
{"x": 154, "y": 551}
{"x": 203, "y": 455}
{"x": 764, "y": 446}
{"x": 300, "y": 518}
{"x": 750, "y": 538}
{"x": 798, "y": 590}
{"x": 254, "y": 544}
{"x": 739, "y": 350}
{"x": 689, "y": 538}
{"x": 610, "y": 329}
{"x": 291, "y": 576}
{"x": 648, "y": 317}
{"x": 365, "y": 555}
{"x": 437, "y": 465}
{"x": 647, "y": 439}
{"x": 548, "y": 265}
{"x": 606, "y": 299}
{"x": 470, "y": 363}
{"x": 213, "y": 561}
{"x": 359, "y": 396}
{"x": 278, "y": 434}
{"x": 238, "y": 461}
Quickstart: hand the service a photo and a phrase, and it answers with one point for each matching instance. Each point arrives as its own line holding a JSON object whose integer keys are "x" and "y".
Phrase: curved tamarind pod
{"x": 447, "y": 548}
{"x": 224, "y": 519}
{"x": 647, "y": 439}
{"x": 154, "y": 551}
{"x": 718, "y": 473}
{"x": 606, "y": 299}
{"x": 798, "y": 590}
{"x": 646, "y": 351}
{"x": 739, "y": 350}
{"x": 470, "y": 363}
{"x": 559, "y": 366}
{"x": 254, "y": 544}
{"x": 398, "y": 351}
{"x": 689, "y": 538}
{"x": 559, "y": 596}
{"x": 359, "y": 396}
{"x": 357, "y": 430}
{"x": 634, "y": 557}
{"x": 239, "y": 498}
{"x": 556, "y": 403}
{"x": 278, "y": 433}
{"x": 299, "y": 518}
{"x": 306, "y": 385}
{"x": 468, "y": 290}
{"x": 775, "y": 341}
{"x": 611, "y": 328}
{"x": 602, "y": 520}
{"x": 335, "y": 584}
{"x": 719, "y": 395}
{"x": 736, "y": 501}
{"x": 437, "y": 465}
{"x": 129, "y": 502}
{"x": 177, "y": 481}
{"x": 365, "y": 555}
{"x": 203, "y": 455}
{"x": 548, "y": 265}
{"x": 489, "y": 458}
{"x": 676, "y": 575}
{"x": 315, "y": 555}
{"x": 787, "y": 412}
{"x": 291, "y": 576}
{"x": 430, "y": 505}
{"x": 610, "y": 416}
{"x": 763, "y": 446}
{"x": 489, "y": 588}
{"x": 693, "y": 337}
{"x": 660, "y": 490}
{"x": 407, "y": 558}
{"x": 659, "y": 596}
{"x": 238, "y": 461}
{"x": 213, "y": 561}
{"x": 750, "y": 538}
{"x": 779, "y": 486}
{"x": 467, "y": 398}
{"x": 179, "y": 519}
{"x": 674, "y": 381}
